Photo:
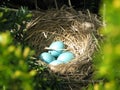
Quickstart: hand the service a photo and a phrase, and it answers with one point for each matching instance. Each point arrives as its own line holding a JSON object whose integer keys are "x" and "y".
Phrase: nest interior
{"x": 76, "y": 29}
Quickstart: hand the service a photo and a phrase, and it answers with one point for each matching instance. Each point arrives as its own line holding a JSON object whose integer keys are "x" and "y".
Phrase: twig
{"x": 11, "y": 9}
{"x": 55, "y": 49}
{"x": 15, "y": 10}
{"x": 69, "y": 2}
{"x": 56, "y": 5}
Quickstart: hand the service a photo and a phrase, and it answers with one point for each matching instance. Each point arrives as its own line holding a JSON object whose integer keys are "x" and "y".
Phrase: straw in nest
{"x": 75, "y": 29}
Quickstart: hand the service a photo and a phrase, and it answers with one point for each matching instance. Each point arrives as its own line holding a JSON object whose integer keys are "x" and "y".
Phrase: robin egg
{"x": 46, "y": 57}
{"x": 66, "y": 57}
{"x": 56, "y": 62}
{"x": 56, "y": 48}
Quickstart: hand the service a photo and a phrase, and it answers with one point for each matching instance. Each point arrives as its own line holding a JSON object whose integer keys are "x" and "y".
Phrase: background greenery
{"x": 14, "y": 71}
{"x": 108, "y": 61}
{"x": 18, "y": 71}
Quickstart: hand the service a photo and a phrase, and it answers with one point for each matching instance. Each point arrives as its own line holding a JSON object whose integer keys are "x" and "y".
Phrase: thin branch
{"x": 69, "y": 3}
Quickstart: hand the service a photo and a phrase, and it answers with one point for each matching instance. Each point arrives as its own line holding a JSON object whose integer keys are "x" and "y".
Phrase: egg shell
{"x": 66, "y": 57}
{"x": 46, "y": 57}
{"x": 56, "y": 62}
{"x": 55, "y": 53}
{"x": 56, "y": 46}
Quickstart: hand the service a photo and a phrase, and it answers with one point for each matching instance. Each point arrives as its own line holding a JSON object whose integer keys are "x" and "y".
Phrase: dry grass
{"x": 76, "y": 30}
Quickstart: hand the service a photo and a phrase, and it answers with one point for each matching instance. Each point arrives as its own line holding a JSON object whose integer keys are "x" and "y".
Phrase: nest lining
{"x": 75, "y": 29}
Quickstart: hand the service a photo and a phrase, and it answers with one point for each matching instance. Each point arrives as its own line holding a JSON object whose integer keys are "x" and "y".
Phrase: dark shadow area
{"x": 92, "y": 5}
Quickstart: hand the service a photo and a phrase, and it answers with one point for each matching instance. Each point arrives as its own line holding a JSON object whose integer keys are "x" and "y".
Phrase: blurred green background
{"x": 107, "y": 63}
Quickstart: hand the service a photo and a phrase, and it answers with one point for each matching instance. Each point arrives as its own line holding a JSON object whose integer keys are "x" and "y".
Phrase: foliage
{"x": 15, "y": 21}
{"x": 14, "y": 71}
{"x": 44, "y": 79}
{"x": 108, "y": 65}
{"x": 14, "y": 74}
{"x": 18, "y": 70}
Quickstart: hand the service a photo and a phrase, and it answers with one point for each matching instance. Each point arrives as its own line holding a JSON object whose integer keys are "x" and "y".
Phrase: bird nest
{"x": 78, "y": 31}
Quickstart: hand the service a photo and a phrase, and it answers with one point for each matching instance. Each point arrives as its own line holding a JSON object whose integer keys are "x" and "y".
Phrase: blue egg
{"x": 57, "y": 47}
{"x": 56, "y": 62}
{"x": 46, "y": 57}
{"x": 66, "y": 57}
{"x": 55, "y": 53}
